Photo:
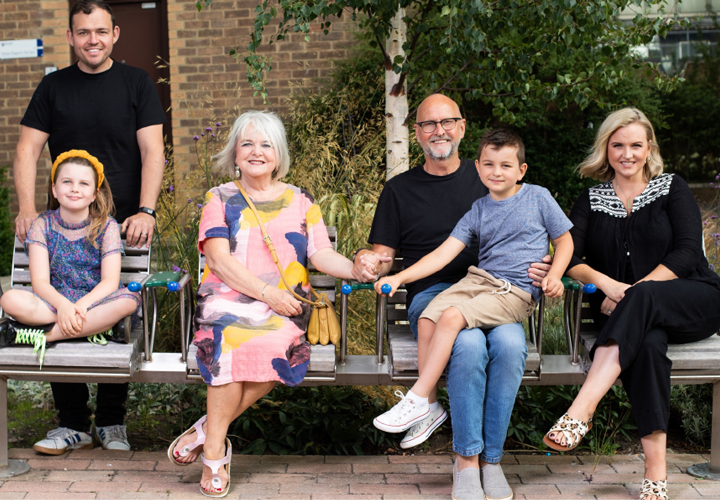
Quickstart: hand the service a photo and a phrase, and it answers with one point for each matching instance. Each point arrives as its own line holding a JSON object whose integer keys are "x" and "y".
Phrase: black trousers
{"x": 71, "y": 401}
{"x": 653, "y": 314}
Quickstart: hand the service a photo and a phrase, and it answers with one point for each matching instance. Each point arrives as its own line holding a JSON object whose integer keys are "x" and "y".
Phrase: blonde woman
{"x": 638, "y": 237}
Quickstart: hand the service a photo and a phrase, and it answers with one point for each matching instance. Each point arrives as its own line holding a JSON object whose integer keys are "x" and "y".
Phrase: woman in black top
{"x": 640, "y": 235}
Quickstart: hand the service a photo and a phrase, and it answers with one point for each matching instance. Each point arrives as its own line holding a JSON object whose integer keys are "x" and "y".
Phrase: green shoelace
{"x": 99, "y": 338}
{"x": 33, "y": 337}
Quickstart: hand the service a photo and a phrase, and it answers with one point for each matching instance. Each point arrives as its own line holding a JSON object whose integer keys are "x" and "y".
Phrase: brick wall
{"x": 205, "y": 78}
{"x": 21, "y": 19}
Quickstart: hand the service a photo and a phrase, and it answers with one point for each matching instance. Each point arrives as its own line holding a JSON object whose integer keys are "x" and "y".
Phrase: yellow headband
{"x": 79, "y": 153}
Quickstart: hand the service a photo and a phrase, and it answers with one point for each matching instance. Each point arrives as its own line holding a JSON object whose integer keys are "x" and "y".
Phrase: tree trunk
{"x": 396, "y": 106}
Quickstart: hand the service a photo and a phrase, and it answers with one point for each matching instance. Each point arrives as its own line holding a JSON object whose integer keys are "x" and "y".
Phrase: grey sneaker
{"x": 113, "y": 437}
{"x": 59, "y": 440}
{"x": 466, "y": 484}
{"x": 419, "y": 432}
{"x": 494, "y": 482}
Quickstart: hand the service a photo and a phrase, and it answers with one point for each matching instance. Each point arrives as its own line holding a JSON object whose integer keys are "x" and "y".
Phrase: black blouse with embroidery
{"x": 664, "y": 227}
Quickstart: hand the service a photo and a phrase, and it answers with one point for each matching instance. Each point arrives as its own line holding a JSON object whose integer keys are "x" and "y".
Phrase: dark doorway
{"x": 144, "y": 37}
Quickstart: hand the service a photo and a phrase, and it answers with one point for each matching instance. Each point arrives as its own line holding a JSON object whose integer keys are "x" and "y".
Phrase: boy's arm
{"x": 563, "y": 253}
{"x": 434, "y": 261}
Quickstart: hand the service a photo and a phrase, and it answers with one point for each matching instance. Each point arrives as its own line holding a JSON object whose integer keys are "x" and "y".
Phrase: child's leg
{"x": 99, "y": 319}
{"x": 26, "y": 308}
{"x": 426, "y": 330}
{"x": 439, "y": 350}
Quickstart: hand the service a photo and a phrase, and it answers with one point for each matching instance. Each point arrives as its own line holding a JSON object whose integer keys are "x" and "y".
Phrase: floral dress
{"x": 238, "y": 337}
{"x": 74, "y": 261}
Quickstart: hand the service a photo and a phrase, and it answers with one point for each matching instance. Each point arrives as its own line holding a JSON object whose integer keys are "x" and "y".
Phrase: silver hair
{"x": 270, "y": 127}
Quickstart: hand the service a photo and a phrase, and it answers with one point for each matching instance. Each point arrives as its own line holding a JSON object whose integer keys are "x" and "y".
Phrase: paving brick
{"x": 385, "y": 468}
{"x": 60, "y": 496}
{"x": 261, "y": 468}
{"x": 245, "y": 496}
{"x": 283, "y": 478}
{"x": 385, "y": 489}
{"x": 435, "y": 468}
{"x": 679, "y": 491}
{"x": 155, "y": 456}
{"x": 547, "y": 459}
{"x": 12, "y": 495}
{"x": 144, "y": 476}
{"x": 23, "y": 453}
{"x": 611, "y": 459}
{"x": 312, "y": 488}
{"x": 544, "y": 490}
{"x": 195, "y": 476}
{"x": 137, "y": 495}
{"x": 419, "y": 478}
{"x": 684, "y": 457}
{"x": 708, "y": 488}
{"x": 98, "y": 486}
{"x": 100, "y": 454}
{"x": 600, "y": 491}
{"x": 372, "y": 459}
{"x": 436, "y": 489}
{"x": 168, "y": 466}
{"x": 144, "y": 465}
{"x": 43, "y": 486}
{"x": 415, "y": 497}
{"x": 322, "y": 496}
{"x": 79, "y": 475}
{"x": 318, "y": 468}
{"x": 58, "y": 464}
{"x": 292, "y": 459}
{"x": 260, "y": 490}
{"x": 420, "y": 459}
{"x": 170, "y": 487}
{"x": 629, "y": 467}
{"x": 350, "y": 478}
{"x": 32, "y": 475}
{"x": 587, "y": 469}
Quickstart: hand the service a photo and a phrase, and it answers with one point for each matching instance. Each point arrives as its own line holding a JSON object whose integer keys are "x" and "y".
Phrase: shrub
{"x": 7, "y": 236}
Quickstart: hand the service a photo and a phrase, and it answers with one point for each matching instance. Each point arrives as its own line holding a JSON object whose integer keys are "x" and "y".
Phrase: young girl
{"x": 74, "y": 251}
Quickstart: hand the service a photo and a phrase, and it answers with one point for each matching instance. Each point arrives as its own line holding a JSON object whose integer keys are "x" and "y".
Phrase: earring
{"x": 237, "y": 171}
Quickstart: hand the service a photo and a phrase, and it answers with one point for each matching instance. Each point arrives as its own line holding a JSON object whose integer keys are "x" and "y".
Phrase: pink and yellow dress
{"x": 239, "y": 338}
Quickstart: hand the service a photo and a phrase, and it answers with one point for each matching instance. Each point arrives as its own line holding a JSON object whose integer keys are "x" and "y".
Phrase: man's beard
{"x": 429, "y": 153}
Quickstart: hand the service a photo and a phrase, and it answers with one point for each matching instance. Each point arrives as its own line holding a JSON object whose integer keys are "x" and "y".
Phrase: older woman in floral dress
{"x": 249, "y": 328}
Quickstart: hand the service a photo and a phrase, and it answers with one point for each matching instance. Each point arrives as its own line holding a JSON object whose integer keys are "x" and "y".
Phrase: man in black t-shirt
{"x": 416, "y": 212}
{"x": 112, "y": 111}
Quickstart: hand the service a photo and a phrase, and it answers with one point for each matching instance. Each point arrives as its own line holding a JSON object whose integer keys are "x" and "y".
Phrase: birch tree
{"x": 489, "y": 50}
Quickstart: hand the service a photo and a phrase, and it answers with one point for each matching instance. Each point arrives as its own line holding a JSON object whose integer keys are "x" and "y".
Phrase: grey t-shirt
{"x": 513, "y": 233}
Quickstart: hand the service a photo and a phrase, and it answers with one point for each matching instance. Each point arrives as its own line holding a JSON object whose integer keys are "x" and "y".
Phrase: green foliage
{"x": 487, "y": 51}
{"x": 693, "y": 405}
{"x": 7, "y": 236}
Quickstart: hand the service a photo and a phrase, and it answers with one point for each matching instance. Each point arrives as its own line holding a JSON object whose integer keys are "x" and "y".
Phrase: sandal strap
{"x": 573, "y": 430}
{"x": 654, "y": 488}
{"x": 199, "y": 440}
{"x": 216, "y": 464}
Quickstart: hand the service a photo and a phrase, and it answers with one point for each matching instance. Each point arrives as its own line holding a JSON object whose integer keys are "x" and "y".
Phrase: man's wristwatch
{"x": 148, "y": 211}
{"x": 355, "y": 254}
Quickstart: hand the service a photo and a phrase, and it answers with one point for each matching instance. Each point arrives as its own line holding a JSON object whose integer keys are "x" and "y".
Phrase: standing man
{"x": 416, "y": 212}
{"x": 112, "y": 111}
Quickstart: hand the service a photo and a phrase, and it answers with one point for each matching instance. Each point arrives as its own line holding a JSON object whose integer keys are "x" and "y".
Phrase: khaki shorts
{"x": 473, "y": 296}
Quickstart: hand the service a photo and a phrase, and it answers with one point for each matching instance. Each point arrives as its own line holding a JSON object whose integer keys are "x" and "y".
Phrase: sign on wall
{"x": 14, "y": 49}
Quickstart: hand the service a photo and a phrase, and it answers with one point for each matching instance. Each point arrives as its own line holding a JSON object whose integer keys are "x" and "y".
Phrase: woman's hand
{"x": 367, "y": 266}
{"x": 394, "y": 281}
{"x": 552, "y": 286}
{"x": 282, "y": 302}
{"x": 70, "y": 319}
{"x": 614, "y": 290}
{"x": 608, "y": 306}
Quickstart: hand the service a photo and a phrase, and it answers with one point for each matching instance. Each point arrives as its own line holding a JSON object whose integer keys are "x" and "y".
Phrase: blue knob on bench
{"x": 173, "y": 286}
{"x": 386, "y": 289}
{"x": 134, "y": 286}
{"x": 346, "y": 289}
{"x": 589, "y": 288}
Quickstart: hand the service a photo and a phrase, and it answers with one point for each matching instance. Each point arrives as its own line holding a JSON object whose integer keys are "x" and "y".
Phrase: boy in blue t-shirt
{"x": 512, "y": 225}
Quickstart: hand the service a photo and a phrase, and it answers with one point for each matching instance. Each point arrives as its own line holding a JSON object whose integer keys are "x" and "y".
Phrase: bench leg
{"x": 8, "y": 468}
{"x": 711, "y": 470}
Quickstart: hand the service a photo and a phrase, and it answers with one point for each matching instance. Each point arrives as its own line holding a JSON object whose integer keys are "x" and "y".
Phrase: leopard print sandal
{"x": 654, "y": 488}
{"x": 572, "y": 429}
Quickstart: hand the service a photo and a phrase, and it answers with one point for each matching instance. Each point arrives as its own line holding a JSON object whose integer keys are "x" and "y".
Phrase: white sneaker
{"x": 403, "y": 415}
{"x": 61, "y": 439}
{"x": 419, "y": 432}
{"x": 113, "y": 437}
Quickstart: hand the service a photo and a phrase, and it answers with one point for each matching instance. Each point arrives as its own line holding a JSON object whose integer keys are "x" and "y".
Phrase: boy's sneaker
{"x": 419, "y": 432}
{"x": 61, "y": 439}
{"x": 113, "y": 437}
{"x": 403, "y": 415}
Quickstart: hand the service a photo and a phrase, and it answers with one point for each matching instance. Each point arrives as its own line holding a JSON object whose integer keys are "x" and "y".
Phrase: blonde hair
{"x": 596, "y": 165}
{"x": 100, "y": 209}
{"x": 270, "y": 127}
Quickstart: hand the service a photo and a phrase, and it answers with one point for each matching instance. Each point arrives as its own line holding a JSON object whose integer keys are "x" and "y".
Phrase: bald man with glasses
{"x": 416, "y": 212}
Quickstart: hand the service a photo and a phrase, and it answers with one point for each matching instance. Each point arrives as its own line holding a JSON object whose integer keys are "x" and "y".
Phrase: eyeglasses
{"x": 429, "y": 126}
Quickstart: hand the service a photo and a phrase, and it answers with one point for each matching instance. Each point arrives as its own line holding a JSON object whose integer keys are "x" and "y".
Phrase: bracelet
{"x": 262, "y": 294}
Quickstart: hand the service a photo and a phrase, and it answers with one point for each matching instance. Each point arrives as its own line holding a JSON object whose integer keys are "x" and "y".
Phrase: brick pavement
{"x": 104, "y": 475}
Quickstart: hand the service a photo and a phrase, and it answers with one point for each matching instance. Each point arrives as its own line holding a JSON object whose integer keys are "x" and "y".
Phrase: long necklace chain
{"x": 629, "y": 199}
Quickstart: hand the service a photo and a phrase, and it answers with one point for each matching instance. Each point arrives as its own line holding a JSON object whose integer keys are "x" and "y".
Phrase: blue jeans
{"x": 484, "y": 374}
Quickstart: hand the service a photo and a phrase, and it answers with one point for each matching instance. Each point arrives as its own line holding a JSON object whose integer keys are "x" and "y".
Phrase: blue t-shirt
{"x": 513, "y": 233}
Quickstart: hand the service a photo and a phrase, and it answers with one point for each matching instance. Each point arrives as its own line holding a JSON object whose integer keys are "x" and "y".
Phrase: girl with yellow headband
{"x": 74, "y": 252}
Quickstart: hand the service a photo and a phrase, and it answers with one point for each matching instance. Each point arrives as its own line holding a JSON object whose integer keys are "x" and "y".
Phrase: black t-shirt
{"x": 417, "y": 211}
{"x": 100, "y": 113}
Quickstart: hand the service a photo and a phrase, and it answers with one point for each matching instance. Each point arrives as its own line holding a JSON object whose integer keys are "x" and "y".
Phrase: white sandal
{"x": 199, "y": 441}
{"x": 654, "y": 488}
{"x": 215, "y": 467}
{"x": 573, "y": 431}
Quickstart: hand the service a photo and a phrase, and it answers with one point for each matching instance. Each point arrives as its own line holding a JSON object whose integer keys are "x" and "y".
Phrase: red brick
{"x": 123, "y": 465}
{"x": 104, "y": 486}
{"x": 44, "y": 486}
{"x": 58, "y": 464}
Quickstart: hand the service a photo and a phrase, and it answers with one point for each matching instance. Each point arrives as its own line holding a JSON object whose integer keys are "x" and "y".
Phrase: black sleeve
{"x": 39, "y": 114}
{"x": 580, "y": 217}
{"x": 149, "y": 110}
{"x": 385, "y": 228}
{"x": 686, "y": 222}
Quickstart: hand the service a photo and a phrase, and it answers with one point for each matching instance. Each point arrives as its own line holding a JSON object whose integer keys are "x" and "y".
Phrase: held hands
{"x": 138, "y": 229}
{"x": 552, "y": 286}
{"x": 393, "y": 281}
{"x": 282, "y": 302}
{"x": 70, "y": 319}
{"x": 539, "y": 270}
{"x": 367, "y": 265}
